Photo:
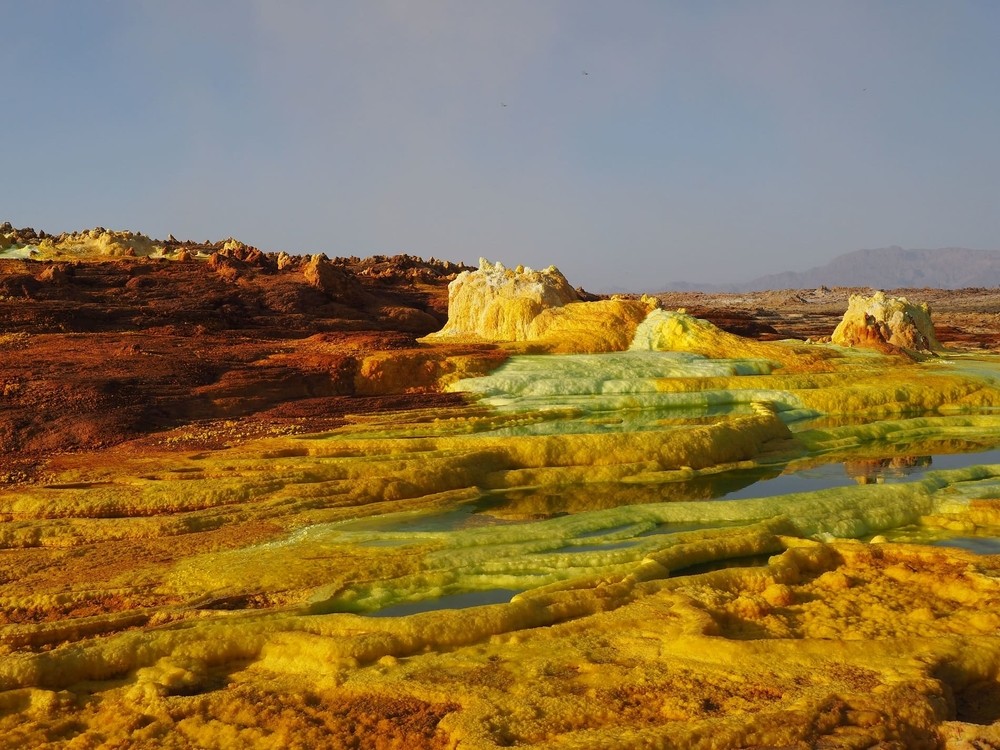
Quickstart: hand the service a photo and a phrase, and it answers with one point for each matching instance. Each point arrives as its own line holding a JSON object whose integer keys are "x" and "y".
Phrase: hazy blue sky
{"x": 707, "y": 140}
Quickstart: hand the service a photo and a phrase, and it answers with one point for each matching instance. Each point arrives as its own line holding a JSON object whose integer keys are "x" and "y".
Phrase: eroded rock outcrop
{"x": 330, "y": 279}
{"x": 886, "y": 324}
{"x": 495, "y": 303}
{"x": 226, "y": 267}
{"x": 56, "y": 273}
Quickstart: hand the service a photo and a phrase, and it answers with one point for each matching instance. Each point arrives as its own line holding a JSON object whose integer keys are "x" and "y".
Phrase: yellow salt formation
{"x": 538, "y": 309}
{"x": 495, "y": 303}
{"x": 91, "y": 244}
{"x": 17, "y": 243}
{"x": 881, "y": 322}
{"x": 676, "y": 331}
{"x": 560, "y": 563}
{"x": 588, "y": 327}
{"x": 395, "y": 371}
{"x": 232, "y": 244}
{"x": 97, "y": 243}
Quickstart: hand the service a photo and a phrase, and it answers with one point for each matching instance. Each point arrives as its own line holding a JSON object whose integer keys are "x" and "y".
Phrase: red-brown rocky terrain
{"x": 94, "y": 353}
{"x": 245, "y": 343}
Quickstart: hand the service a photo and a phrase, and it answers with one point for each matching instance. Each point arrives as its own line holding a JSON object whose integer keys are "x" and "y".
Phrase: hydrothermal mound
{"x": 733, "y": 543}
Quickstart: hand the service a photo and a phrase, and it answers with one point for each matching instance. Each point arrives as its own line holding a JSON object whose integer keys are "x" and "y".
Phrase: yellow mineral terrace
{"x": 684, "y": 539}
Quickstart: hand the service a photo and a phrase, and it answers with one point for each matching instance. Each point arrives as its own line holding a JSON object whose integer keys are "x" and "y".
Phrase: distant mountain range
{"x": 882, "y": 268}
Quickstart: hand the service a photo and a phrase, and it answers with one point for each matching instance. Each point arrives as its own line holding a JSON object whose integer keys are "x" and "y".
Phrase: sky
{"x": 632, "y": 144}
